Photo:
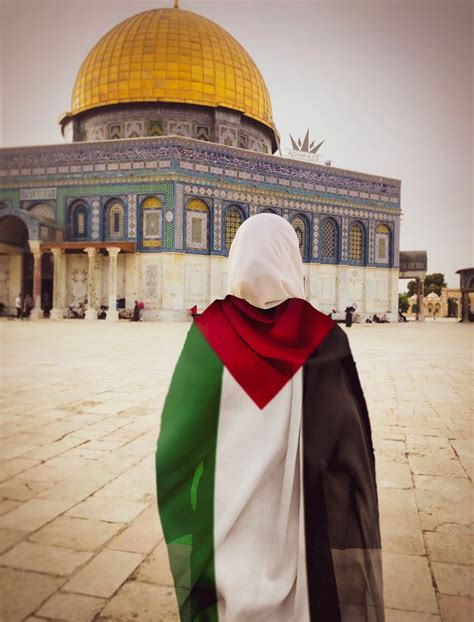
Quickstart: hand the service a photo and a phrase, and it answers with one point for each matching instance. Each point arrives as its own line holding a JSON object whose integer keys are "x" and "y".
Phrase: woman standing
{"x": 265, "y": 467}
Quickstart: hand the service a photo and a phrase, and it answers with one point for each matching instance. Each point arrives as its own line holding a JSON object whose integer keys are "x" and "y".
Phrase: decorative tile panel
{"x": 132, "y": 215}
{"x": 179, "y": 216}
{"x": 315, "y": 235}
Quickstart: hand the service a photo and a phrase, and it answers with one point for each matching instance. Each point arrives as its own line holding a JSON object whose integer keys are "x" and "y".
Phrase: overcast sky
{"x": 388, "y": 84}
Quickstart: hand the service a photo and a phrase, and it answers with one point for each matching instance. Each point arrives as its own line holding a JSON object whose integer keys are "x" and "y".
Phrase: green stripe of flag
{"x": 185, "y": 470}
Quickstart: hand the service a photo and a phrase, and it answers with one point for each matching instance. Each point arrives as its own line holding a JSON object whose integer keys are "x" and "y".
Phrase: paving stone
{"x": 454, "y": 579}
{"x": 7, "y": 505}
{"x": 407, "y": 583}
{"x": 394, "y": 615}
{"x": 77, "y": 533}
{"x": 22, "y": 592}
{"x": 8, "y": 468}
{"x": 393, "y": 474}
{"x": 436, "y": 465}
{"x": 465, "y": 450}
{"x": 33, "y": 514}
{"x": 20, "y": 489}
{"x": 400, "y": 524}
{"x": 156, "y": 569}
{"x": 450, "y": 547}
{"x": 112, "y": 510}
{"x": 42, "y": 558}
{"x": 10, "y": 537}
{"x": 70, "y": 607}
{"x": 143, "y": 602}
{"x": 142, "y": 535}
{"x": 456, "y": 608}
{"x": 104, "y": 574}
{"x": 443, "y": 500}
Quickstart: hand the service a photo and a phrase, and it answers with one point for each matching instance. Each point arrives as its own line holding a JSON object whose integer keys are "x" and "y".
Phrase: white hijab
{"x": 265, "y": 266}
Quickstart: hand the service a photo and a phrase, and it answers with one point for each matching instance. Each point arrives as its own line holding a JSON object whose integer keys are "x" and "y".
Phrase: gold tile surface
{"x": 171, "y": 55}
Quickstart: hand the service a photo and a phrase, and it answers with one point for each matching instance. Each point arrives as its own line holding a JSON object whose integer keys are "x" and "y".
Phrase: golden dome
{"x": 171, "y": 55}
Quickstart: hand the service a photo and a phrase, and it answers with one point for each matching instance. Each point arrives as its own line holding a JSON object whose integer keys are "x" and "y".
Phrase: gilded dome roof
{"x": 171, "y": 55}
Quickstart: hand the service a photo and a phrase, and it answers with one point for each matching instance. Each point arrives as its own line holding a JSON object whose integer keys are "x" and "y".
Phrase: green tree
{"x": 411, "y": 288}
{"x": 433, "y": 283}
{"x": 403, "y": 302}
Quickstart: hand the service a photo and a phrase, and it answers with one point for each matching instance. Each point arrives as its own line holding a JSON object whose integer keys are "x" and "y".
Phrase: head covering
{"x": 265, "y": 266}
{"x": 264, "y": 330}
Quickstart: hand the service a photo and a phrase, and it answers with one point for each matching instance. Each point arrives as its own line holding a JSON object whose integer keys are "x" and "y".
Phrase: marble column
{"x": 57, "y": 312}
{"x": 91, "y": 311}
{"x": 420, "y": 295}
{"x": 36, "y": 312}
{"x": 112, "y": 313}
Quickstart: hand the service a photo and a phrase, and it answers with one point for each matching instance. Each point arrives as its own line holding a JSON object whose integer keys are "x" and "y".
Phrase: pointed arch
{"x": 233, "y": 218}
{"x": 197, "y": 225}
{"x": 383, "y": 250}
{"x": 357, "y": 243}
{"x": 301, "y": 227}
{"x": 114, "y": 219}
{"x": 329, "y": 241}
{"x": 79, "y": 220}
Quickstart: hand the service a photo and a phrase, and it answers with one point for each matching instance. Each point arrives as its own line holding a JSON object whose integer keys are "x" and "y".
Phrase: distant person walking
{"x": 349, "y": 312}
{"x": 18, "y": 306}
{"x": 136, "y": 312}
{"x": 28, "y": 305}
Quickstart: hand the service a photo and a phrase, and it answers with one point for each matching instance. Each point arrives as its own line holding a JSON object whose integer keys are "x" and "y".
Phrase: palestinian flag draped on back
{"x": 265, "y": 470}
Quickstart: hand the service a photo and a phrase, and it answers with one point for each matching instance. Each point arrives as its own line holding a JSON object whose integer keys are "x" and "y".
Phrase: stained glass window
{"x": 382, "y": 238}
{"x": 233, "y": 220}
{"x": 115, "y": 220}
{"x": 329, "y": 240}
{"x": 152, "y": 221}
{"x": 356, "y": 242}
{"x": 299, "y": 225}
{"x": 79, "y": 221}
{"x": 197, "y": 218}
{"x": 196, "y": 230}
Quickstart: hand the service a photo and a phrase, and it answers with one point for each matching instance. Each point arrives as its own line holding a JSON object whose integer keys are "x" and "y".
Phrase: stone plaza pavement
{"x": 79, "y": 534}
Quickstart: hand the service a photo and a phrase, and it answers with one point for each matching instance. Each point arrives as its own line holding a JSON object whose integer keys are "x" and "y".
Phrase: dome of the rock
{"x": 175, "y": 56}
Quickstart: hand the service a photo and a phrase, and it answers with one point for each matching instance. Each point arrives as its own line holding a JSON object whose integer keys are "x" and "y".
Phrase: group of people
{"x": 23, "y": 306}
{"x": 377, "y": 319}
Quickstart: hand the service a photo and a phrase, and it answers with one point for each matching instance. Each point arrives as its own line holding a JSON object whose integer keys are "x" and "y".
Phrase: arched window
{"x": 152, "y": 221}
{"x": 301, "y": 228}
{"x": 329, "y": 240}
{"x": 115, "y": 219}
{"x": 356, "y": 243}
{"x": 79, "y": 221}
{"x": 197, "y": 225}
{"x": 382, "y": 244}
{"x": 233, "y": 220}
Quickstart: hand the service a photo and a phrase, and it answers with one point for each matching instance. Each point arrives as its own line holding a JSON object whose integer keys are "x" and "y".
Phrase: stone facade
{"x": 172, "y": 204}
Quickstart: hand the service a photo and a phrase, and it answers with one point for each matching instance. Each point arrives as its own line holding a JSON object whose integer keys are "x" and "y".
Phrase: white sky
{"x": 387, "y": 83}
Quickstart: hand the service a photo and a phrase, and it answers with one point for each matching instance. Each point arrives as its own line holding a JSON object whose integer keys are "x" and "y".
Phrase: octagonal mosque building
{"x": 170, "y": 145}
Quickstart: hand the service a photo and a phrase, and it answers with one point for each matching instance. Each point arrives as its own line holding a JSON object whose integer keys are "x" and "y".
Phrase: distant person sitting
{"x": 401, "y": 316}
{"x": 376, "y": 319}
{"x": 385, "y": 319}
{"x": 102, "y": 314}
